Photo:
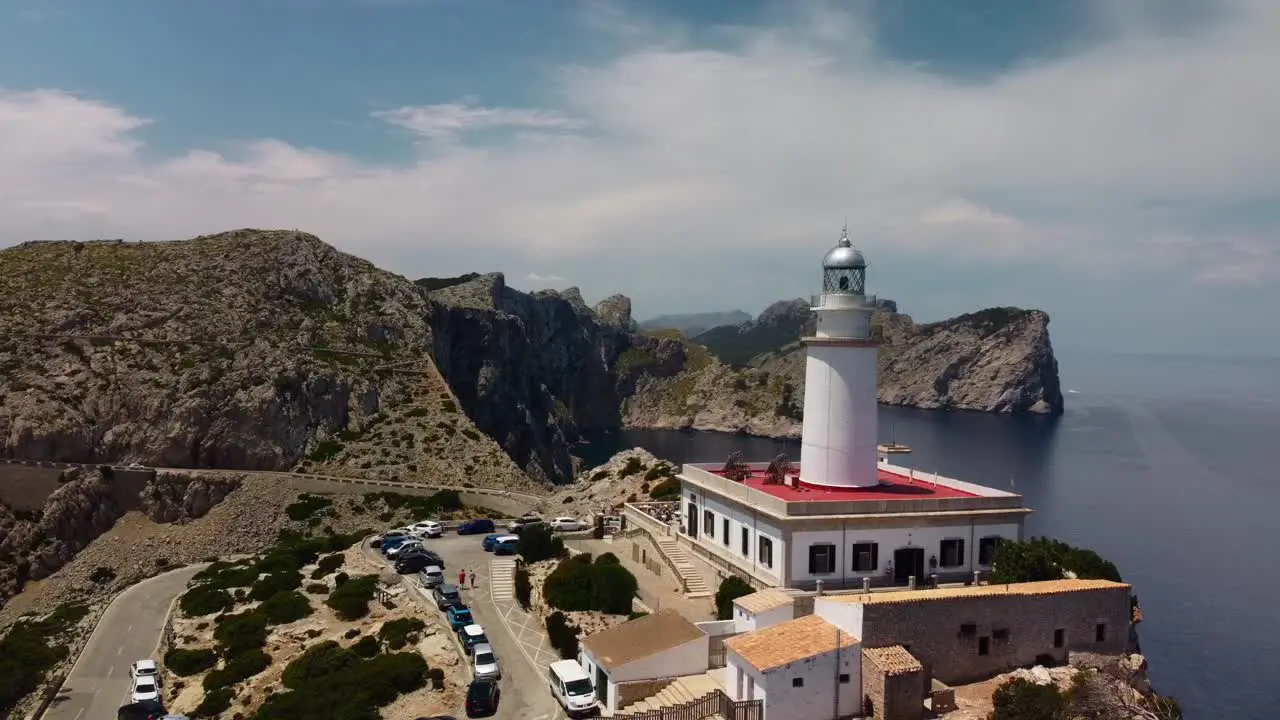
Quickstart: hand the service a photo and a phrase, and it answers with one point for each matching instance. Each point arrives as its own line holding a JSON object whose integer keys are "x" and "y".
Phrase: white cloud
{"x": 770, "y": 140}
{"x": 545, "y": 279}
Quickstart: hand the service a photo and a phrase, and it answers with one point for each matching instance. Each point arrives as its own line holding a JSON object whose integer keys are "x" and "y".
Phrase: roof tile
{"x": 893, "y": 660}
{"x": 764, "y": 600}
{"x": 1044, "y": 587}
{"x": 638, "y": 639}
{"x": 788, "y": 642}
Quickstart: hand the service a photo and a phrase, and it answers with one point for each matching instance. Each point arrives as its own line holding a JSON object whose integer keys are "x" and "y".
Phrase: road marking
{"x": 79, "y": 713}
{"x": 119, "y": 650}
{"x": 110, "y": 668}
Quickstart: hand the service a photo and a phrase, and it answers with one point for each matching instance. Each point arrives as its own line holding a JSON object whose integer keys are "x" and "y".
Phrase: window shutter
{"x": 875, "y": 556}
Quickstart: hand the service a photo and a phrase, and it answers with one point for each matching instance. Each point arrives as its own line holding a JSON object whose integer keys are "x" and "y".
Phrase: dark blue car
{"x": 476, "y": 526}
{"x": 489, "y": 541}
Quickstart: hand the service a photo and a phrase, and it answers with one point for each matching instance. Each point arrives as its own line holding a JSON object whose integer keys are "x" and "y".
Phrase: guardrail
{"x": 636, "y": 531}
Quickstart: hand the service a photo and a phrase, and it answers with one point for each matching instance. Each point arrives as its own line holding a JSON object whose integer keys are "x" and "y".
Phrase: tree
{"x": 1020, "y": 699}
{"x": 523, "y": 588}
{"x": 731, "y": 588}
{"x": 1047, "y": 559}
{"x": 537, "y": 544}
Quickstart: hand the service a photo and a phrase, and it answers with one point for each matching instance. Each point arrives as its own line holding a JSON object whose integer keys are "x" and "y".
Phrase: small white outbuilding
{"x": 653, "y": 647}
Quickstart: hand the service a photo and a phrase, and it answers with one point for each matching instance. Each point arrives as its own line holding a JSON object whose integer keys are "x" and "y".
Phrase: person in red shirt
{"x": 462, "y": 577}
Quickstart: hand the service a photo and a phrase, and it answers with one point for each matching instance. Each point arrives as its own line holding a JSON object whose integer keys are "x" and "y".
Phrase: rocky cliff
{"x": 998, "y": 360}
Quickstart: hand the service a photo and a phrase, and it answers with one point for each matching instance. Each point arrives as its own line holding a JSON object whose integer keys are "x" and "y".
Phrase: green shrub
{"x": 350, "y": 600}
{"x": 523, "y": 588}
{"x": 238, "y": 633}
{"x": 329, "y": 563}
{"x": 401, "y": 631}
{"x": 1020, "y": 699}
{"x": 336, "y": 683}
{"x": 631, "y": 467}
{"x": 285, "y": 607}
{"x": 274, "y": 583}
{"x": 614, "y": 587}
{"x": 562, "y": 636}
{"x": 237, "y": 668}
{"x": 1047, "y": 559}
{"x": 205, "y": 600}
{"x": 668, "y": 489}
{"x": 662, "y": 469}
{"x": 225, "y": 576}
{"x": 214, "y": 703}
{"x": 731, "y": 588}
{"x": 353, "y": 632}
{"x": 317, "y": 662}
{"x": 317, "y": 588}
{"x": 537, "y": 543}
{"x": 366, "y": 647}
{"x": 636, "y": 614}
{"x": 189, "y": 662}
{"x": 579, "y": 584}
{"x": 30, "y": 649}
{"x": 607, "y": 559}
{"x": 306, "y": 506}
{"x": 340, "y": 578}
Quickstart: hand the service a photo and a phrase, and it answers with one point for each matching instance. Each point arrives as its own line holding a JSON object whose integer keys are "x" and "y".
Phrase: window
{"x": 726, "y": 532}
{"x": 1059, "y": 638}
{"x": 746, "y": 542}
{"x": 968, "y": 629}
{"x": 844, "y": 678}
{"x": 952, "y": 553}
{"x": 709, "y": 522}
{"x": 1000, "y": 634}
{"x": 797, "y": 682}
{"x": 822, "y": 559}
{"x": 766, "y": 551}
{"x": 987, "y": 548}
{"x": 1100, "y": 632}
{"x": 984, "y": 645}
{"x": 866, "y": 557}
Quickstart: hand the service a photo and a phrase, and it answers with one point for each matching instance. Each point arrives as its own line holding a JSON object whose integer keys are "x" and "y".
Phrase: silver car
{"x": 484, "y": 663}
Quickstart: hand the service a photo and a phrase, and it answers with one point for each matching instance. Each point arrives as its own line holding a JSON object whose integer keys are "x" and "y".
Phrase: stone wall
{"x": 637, "y": 690}
{"x": 947, "y": 635}
{"x": 26, "y": 487}
{"x": 889, "y": 693}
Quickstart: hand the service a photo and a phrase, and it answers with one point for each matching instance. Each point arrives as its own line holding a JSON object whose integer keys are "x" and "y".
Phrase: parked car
{"x": 386, "y": 537}
{"x": 520, "y": 524}
{"x": 446, "y": 596}
{"x": 471, "y": 636}
{"x": 490, "y": 540}
{"x": 410, "y": 564}
{"x": 567, "y": 524}
{"x": 426, "y": 529}
{"x": 143, "y": 668}
{"x": 146, "y": 689}
{"x": 484, "y": 664}
{"x": 476, "y": 527}
{"x": 571, "y": 687}
{"x": 433, "y": 558}
{"x": 509, "y": 545}
{"x": 431, "y": 576}
{"x": 392, "y": 543}
{"x": 148, "y": 710}
{"x": 482, "y": 698}
{"x": 394, "y": 552}
{"x": 459, "y": 616}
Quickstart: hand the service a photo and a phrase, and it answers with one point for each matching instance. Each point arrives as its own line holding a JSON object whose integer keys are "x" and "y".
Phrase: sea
{"x": 1165, "y": 465}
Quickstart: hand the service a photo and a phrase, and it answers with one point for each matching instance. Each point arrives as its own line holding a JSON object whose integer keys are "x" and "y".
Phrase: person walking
{"x": 462, "y": 578}
{"x": 473, "y": 578}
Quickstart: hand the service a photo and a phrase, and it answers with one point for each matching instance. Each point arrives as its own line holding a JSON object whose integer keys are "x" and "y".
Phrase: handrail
{"x": 671, "y": 564}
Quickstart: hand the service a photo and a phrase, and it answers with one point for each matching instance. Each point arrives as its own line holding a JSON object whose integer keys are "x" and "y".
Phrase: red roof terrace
{"x": 893, "y": 486}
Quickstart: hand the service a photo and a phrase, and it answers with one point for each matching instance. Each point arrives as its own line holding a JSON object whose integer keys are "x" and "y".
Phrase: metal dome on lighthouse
{"x": 844, "y": 269}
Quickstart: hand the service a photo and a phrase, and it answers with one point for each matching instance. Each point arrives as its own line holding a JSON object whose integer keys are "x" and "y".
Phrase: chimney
{"x": 911, "y": 583}
{"x": 977, "y": 577}
{"x": 818, "y": 588}
{"x": 866, "y": 584}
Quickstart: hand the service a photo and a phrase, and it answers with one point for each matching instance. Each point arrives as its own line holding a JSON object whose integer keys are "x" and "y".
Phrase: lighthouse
{"x": 839, "y": 447}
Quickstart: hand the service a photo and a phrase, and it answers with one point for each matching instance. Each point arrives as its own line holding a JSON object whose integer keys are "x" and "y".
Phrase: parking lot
{"x": 518, "y": 641}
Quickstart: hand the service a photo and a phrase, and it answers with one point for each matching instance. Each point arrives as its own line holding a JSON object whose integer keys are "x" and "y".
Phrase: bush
{"x": 607, "y": 559}
{"x": 579, "y": 584}
{"x": 102, "y": 575}
{"x": 662, "y": 469}
{"x": 237, "y": 633}
{"x": 317, "y": 588}
{"x": 366, "y": 647}
{"x": 350, "y": 600}
{"x": 731, "y": 588}
{"x": 353, "y": 632}
{"x": 329, "y": 563}
{"x": 523, "y": 588}
{"x": 668, "y": 489}
{"x": 631, "y": 467}
{"x": 214, "y": 703}
{"x": 537, "y": 544}
{"x": 340, "y": 578}
{"x": 29, "y": 650}
{"x": 276, "y": 582}
{"x": 316, "y": 662}
{"x": 285, "y": 607}
{"x": 1020, "y": 699}
{"x": 239, "y": 668}
{"x": 189, "y": 662}
{"x": 306, "y": 506}
{"x": 328, "y": 681}
{"x": 401, "y": 631}
{"x": 205, "y": 600}
{"x": 1047, "y": 559}
{"x": 562, "y": 636}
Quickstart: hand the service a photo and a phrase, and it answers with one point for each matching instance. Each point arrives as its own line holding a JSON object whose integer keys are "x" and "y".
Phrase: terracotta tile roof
{"x": 893, "y": 660}
{"x": 764, "y": 600}
{"x": 1045, "y": 587}
{"x": 788, "y": 642}
{"x": 638, "y": 639}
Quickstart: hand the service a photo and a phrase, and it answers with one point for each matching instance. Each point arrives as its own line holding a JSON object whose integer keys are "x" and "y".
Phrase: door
{"x": 693, "y": 520}
{"x": 602, "y": 686}
{"x": 908, "y": 562}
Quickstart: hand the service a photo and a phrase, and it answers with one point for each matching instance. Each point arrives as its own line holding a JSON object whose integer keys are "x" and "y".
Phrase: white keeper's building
{"x": 844, "y": 515}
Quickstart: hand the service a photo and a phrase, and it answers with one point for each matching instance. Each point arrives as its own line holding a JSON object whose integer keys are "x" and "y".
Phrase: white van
{"x": 571, "y": 687}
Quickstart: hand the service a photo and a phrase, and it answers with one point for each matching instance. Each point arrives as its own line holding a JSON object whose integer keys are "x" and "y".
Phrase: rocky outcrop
{"x": 626, "y": 477}
{"x": 183, "y": 497}
{"x": 998, "y": 360}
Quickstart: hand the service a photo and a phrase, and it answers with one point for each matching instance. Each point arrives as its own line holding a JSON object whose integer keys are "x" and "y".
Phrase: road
{"x": 525, "y": 695}
{"x": 129, "y": 630}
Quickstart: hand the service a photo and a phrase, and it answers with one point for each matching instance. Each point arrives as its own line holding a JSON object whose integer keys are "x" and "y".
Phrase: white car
{"x": 567, "y": 524}
{"x": 484, "y": 664}
{"x": 399, "y": 550}
{"x": 426, "y": 529}
{"x": 143, "y": 668}
{"x": 146, "y": 688}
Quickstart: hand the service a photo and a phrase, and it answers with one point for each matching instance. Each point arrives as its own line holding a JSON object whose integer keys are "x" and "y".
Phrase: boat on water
{"x": 893, "y": 449}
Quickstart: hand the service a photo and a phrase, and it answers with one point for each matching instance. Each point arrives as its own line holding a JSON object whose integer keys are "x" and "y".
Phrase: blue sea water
{"x": 1165, "y": 465}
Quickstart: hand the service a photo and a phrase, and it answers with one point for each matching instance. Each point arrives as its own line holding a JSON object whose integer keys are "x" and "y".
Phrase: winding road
{"x": 129, "y": 630}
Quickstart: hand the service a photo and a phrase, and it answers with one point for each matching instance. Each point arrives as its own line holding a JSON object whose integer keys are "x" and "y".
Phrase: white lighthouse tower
{"x": 839, "y": 446}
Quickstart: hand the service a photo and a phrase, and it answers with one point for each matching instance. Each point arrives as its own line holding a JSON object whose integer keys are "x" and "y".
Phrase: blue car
{"x": 510, "y": 546}
{"x": 476, "y": 526}
{"x": 393, "y": 543}
{"x": 490, "y": 540}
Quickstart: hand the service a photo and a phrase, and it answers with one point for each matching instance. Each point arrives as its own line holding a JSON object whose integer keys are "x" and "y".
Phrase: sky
{"x": 1112, "y": 162}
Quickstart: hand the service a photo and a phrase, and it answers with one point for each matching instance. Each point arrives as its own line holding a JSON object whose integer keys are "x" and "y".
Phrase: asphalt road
{"x": 129, "y": 630}
{"x": 525, "y": 695}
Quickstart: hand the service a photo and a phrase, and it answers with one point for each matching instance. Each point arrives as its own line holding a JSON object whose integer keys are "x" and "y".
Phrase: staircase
{"x": 680, "y": 691}
{"x": 502, "y": 573}
{"x": 695, "y": 586}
